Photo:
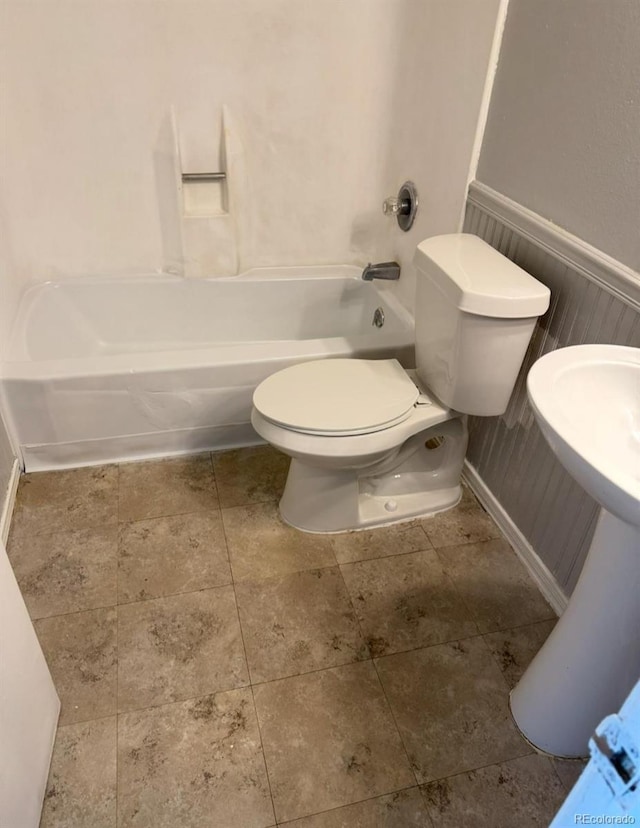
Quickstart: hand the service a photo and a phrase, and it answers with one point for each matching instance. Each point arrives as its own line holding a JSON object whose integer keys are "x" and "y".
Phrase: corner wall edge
{"x": 9, "y": 501}
{"x": 536, "y": 567}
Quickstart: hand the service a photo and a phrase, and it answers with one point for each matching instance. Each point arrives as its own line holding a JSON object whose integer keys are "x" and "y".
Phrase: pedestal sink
{"x": 586, "y": 400}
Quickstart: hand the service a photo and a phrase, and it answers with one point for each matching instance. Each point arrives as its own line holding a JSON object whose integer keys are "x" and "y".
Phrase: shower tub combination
{"x": 107, "y": 370}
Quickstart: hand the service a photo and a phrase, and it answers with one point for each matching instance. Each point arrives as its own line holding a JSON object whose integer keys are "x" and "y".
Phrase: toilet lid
{"x": 337, "y": 396}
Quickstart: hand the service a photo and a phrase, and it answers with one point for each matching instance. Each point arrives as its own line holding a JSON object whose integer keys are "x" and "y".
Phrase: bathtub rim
{"x": 199, "y": 356}
{"x": 223, "y": 353}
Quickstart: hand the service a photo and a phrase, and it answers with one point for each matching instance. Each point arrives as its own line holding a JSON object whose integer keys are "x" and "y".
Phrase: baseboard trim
{"x": 9, "y": 502}
{"x": 598, "y": 267}
{"x": 521, "y": 546}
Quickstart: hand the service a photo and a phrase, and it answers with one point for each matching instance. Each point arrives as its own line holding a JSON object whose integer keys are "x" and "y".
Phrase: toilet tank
{"x": 474, "y": 316}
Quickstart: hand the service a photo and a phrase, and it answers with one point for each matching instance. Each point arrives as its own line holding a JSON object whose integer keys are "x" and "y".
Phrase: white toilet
{"x": 373, "y": 443}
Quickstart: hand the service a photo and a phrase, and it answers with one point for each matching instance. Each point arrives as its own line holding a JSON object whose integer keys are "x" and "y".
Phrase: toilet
{"x": 373, "y": 443}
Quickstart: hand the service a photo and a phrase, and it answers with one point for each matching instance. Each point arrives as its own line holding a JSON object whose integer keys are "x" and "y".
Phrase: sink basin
{"x": 586, "y": 399}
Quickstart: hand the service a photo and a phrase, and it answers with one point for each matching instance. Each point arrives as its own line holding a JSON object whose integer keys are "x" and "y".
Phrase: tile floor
{"x": 218, "y": 668}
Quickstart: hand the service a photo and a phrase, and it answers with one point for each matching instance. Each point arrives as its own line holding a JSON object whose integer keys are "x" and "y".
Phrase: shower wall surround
{"x": 330, "y": 107}
{"x": 9, "y": 292}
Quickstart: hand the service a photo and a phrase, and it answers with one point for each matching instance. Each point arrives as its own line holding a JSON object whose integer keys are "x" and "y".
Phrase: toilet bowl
{"x": 373, "y": 443}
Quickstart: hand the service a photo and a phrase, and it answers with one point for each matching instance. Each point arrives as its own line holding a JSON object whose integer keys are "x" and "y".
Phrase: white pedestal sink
{"x": 586, "y": 400}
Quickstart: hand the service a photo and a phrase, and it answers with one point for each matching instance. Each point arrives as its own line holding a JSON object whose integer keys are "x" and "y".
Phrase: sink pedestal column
{"x": 591, "y": 660}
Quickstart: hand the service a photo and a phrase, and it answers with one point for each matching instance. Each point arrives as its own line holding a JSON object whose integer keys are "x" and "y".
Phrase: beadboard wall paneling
{"x": 509, "y": 453}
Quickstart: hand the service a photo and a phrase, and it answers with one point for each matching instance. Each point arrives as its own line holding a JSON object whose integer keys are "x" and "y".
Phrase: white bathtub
{"x": 108, "y": 370}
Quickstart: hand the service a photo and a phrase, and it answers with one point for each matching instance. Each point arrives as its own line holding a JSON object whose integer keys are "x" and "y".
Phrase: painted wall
{"x": 329, "y": 107}
{"x": 561, "y": 140}
{"x": 563, "y": 125}
{"x": 29, "y": 708}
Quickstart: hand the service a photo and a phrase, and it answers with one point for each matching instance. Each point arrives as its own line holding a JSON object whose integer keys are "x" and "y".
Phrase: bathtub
{"x": 120, "y": 369}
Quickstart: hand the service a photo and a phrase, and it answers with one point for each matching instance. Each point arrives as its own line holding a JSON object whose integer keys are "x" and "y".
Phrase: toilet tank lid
{"x": 480, "y": 280}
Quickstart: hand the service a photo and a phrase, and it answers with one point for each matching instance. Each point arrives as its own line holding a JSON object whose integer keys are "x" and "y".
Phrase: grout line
{"x": 135, "y": 601}
{"x": 349, "y": 804}
{"x": 381, "y": 685}
{"x": 311, "y": 672}
{"x": 251, "y": 503}
{"x": 215, "y": 510}
{"x": 173, "y": 594}
{"x": 253, "y": 698}
{"x": 244, "y": 648}
{"x": 306, "y": 672}
{"x": 118, "y": 494}
{"x": 264, "y": 755}
{"x": 393, "y": 555}
{"x": 215, "y": 482}
{"x": 203, "y": 511}
{"x": 117, "y": 652}
{"x": 87, "y": 721}
{"x": 555, "y": 767}
{"x": 481, "y": 767}
{"x": 185, "y": 700}
{"x": 480, "y": 542}
{"x": 395, "y": 722}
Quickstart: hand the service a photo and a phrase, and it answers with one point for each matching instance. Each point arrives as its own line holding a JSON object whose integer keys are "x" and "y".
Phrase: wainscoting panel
{"x": 509, "y": 453}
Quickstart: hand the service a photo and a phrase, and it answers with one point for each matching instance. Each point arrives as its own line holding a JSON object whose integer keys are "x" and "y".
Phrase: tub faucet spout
{"x": 382, "y": 270}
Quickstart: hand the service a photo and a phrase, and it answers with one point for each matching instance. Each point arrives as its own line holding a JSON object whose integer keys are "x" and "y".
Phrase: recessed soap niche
{"x": 208, "y": 194}
{"x": 203, "y": 179}
{"x": 204, "y": 197}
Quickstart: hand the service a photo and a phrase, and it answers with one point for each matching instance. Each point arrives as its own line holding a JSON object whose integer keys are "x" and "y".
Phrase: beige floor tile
{"x": 523, "y": 792}
{"x": 62, "y": 501}
{"x": 167, "y": 555}
{"x": 451, "y": 705}
{"x": 569, "y": 771}
{"x": 67, "y": 571}
{"x": 190, "y": 750}
{"x": 329, "y": 740}
{"x": 179, "y": 647}
{"x": 378, "y": 543}
{"x": 261, "y": 545}
{"x": 465, "y": 523}
{"x": 250, "y": 475}
{"x": 81, "y": 652}
{"x": 495, "y": 586}
{"x": 195, "y": 764}
{"x": 81, "y": 790}
{"x": 299, "y": 622}
{"x": 404, "y": 809}
{"x": 406, "y": 601}
{"x": 167, "y": 487}
{"x": 514, "y": 649}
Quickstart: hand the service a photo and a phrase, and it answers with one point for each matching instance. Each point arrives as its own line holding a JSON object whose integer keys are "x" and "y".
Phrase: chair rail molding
{"x": 607, "y": 272}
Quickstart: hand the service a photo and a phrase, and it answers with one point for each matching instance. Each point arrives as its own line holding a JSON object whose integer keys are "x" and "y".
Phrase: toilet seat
{"x": 337, "y": 397}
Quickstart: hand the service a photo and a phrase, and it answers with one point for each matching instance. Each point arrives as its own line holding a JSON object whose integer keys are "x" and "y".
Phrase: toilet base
{"x": 418, "y": 480}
